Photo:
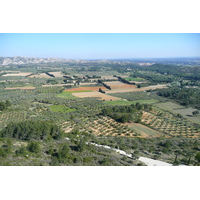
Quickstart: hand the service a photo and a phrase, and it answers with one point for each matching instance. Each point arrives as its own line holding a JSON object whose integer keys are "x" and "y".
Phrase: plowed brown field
{"x": 134, "y": 89}
{"x": 18, "y": 74}
{"x": 95, "y": 94}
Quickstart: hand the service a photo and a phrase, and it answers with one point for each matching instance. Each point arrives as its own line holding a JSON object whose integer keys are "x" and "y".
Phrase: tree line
{"x": 184, "y": 96}
{"x": 105, "y": 85}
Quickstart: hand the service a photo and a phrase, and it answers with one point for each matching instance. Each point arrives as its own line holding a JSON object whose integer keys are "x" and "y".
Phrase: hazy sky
{"x": 100, "y": 45}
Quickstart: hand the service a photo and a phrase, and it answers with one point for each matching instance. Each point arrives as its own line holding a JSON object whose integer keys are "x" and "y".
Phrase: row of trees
{"x": 51, "y": 75}
{"x": 105, "y": 85}
{"x": 102, "y": 91}
{"x": 124, "y": 81}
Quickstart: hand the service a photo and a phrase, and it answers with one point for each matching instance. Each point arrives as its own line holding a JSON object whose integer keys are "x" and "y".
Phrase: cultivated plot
{"x": 99, "y": 95}
{"x": 17, "y": 74}
{"x": 57, "y": 74}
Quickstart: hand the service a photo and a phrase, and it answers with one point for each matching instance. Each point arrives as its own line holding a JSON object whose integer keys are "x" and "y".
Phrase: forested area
{"x": 124, "y": 114}
{"x": 32, "y": 130}
{"x": 183, "y": 96}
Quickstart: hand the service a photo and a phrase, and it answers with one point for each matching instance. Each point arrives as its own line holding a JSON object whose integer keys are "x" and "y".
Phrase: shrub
{"x": 34, "y": 147}
{"x": 22, "y": 151}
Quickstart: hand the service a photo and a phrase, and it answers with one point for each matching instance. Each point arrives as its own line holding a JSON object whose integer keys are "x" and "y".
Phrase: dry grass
{"x": 42, "y": 75}
{"x": 86, "y": 88}
{"x": 109, "y": 77}
{"x": 18, "y": 74}
{"x": 57, "y": 74}
{"x": 20, "y": 88}
{"x": 125, "y": 88}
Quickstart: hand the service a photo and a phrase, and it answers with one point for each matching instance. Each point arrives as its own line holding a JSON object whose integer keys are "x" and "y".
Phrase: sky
{"x": 100, "y": 45}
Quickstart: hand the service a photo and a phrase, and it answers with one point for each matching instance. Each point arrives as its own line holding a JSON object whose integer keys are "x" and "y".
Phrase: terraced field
{"x": 175, "y": 108}
{"x": 168, "y": 123}
{"x": 103, "y": 127}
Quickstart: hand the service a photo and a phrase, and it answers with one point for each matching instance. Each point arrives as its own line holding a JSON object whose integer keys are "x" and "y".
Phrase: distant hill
{"x": 18, "y": 60}
{"x": 27, "y": 60}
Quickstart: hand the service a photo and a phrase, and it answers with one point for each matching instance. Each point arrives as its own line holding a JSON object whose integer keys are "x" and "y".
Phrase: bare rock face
{"x": 26, "y": 60}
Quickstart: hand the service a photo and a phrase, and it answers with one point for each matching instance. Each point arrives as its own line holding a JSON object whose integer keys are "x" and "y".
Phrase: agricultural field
{"x": 98, "y": 95}
{"x": 175, "y": 108}
{"x": 137, "y": 96}
{"x": 133, "y": 88}
{"x": 145, "y": 131}
{"x": 57, "y": 74}
{"x": 17, "y": 74}
{"x": 109, "y": 77}
{"x": 125, "y": 102}
{"x": 66, "y": 94}
{"x": 115, "y": 85}
{"x": 20, "y": 88}
{"x": 169, "y": 124}
{"x": 61, "y": 108}
{"x": 134, "y": 79}
{"x": 58, "y": 85}
{"x": 42, "y": 75}
{"x": 86, "y": 89}
{"x": 8, "y": 117}
{"x": 104, "y": 127}
{"x": 134, "y": 119}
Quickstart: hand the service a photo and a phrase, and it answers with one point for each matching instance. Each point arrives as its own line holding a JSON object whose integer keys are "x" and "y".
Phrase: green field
{"x": 121, "y": 102}
{"x": 133, "y": 79}
{"x": 66, "y": 95}
{"x": 142, "y": 129}
{"x": 170, "y": 106}
{"x": 61, "y": 108}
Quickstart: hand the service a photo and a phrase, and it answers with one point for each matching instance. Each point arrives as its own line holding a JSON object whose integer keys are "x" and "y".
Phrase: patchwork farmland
{"x": 79, "y": 104}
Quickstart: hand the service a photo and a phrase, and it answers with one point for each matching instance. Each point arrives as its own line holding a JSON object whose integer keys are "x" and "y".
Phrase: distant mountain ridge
{"x": 18, "y": 60}
{"x": 27, "y": 60}
{"x": 34, "y": 60}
